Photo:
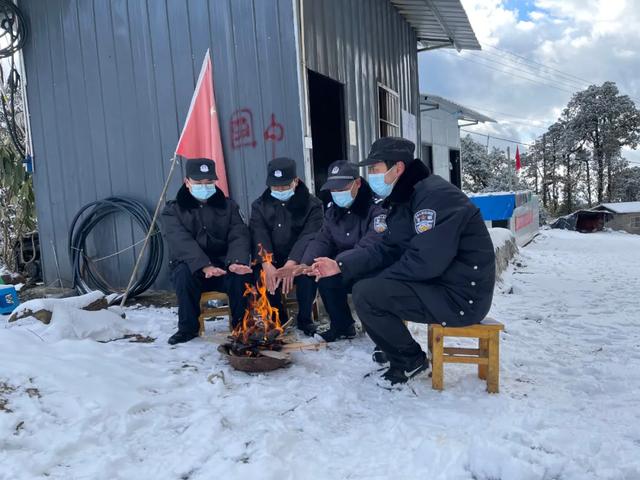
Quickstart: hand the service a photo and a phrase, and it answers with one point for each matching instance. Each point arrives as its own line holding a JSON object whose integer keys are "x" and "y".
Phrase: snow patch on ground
{"x": 569, "y": 406}
{"x": 73, "y": 323}
{"x": 50, "y": 303}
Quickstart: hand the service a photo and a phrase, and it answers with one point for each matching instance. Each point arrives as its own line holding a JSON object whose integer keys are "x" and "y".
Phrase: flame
{"x": 260, "y": 318}
{"x": 266, "y": 256}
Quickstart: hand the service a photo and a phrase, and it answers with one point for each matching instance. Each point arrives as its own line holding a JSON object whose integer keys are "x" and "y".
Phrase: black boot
{"x": 181, "y": 337}
{"x": 334, "y": 334}
{"x": 379, "y": 356}
{"x": 308, "y": 327}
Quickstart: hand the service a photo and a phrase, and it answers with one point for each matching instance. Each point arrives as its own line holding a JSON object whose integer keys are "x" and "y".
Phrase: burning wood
{"x": 260, "y": 328}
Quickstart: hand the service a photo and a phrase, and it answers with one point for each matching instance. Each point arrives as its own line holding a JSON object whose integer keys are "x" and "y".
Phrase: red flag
{"x": 200, "y": 137}
{"x": 518, "y": 164}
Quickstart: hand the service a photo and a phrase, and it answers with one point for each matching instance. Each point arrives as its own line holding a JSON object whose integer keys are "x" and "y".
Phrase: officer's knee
{"x": 236, "y": 280}
{"x": 303, "y": 281}
{"x": 181, "y": 276}
{"x": 364, "y": 292}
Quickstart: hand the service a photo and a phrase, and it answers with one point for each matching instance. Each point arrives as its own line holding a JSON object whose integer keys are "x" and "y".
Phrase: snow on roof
{"x": 621, "y": 207}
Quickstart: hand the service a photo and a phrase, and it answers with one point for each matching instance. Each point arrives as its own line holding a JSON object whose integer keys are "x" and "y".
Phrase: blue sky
{"x": 572, "y": 42}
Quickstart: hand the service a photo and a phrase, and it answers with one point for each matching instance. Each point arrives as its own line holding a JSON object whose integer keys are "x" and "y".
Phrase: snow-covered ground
{"x": 569, "y": 406}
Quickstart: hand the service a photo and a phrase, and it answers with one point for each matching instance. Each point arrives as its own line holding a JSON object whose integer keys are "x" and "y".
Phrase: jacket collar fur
{"x": 299, "y": 201}
{"x": 403, "y": 190}
{"x": 186, "y": 201}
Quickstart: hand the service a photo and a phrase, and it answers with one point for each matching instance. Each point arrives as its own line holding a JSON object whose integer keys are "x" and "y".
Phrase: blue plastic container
{"x": 8, "y": 299}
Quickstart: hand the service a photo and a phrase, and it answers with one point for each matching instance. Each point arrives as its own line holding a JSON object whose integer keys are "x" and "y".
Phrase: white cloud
{"x": 593, "y": 40}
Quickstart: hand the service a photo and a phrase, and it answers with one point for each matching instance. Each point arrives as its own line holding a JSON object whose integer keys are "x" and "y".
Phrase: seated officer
{"x": 436, "y": 263}
{"x": 284, "y": 219}
{"x": 353, "y": 220}
{"x": 209, "y": 247}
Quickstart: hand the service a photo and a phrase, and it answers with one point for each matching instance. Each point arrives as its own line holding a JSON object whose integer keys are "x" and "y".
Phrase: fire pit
{"x": 255, "y": 343}
{"x": 262, "y": 362}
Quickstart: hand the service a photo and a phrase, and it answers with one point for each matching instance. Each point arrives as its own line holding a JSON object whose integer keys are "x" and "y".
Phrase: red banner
{"x": 200, "y": 136}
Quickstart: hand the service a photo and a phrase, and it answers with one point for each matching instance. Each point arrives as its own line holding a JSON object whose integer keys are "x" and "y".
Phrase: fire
{"x": 261, "y": 322}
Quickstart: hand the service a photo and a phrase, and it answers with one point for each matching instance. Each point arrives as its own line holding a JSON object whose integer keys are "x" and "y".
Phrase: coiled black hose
{"x": 86, "y": 277}
{"x": 13, "y": 28}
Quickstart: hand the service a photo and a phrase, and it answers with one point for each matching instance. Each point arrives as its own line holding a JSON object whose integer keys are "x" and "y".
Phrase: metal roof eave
{"x": 439, "y": 23}
{"x": 464, "y": 113}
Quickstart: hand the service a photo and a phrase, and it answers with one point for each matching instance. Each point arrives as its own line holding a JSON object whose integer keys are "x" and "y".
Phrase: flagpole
{"x": 153, "y": 222}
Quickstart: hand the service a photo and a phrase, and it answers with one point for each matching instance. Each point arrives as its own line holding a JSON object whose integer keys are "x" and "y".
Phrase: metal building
{"x": 108, "y": 84}
{"x": 440, "y": 121}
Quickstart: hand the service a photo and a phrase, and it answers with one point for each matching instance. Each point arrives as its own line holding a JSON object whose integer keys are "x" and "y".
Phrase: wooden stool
{"x": 208, "y": 312}
{"x": 486, "y": 356}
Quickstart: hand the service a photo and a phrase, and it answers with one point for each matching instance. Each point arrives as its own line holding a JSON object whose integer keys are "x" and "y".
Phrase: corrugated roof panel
{"x": 439, "y": 21}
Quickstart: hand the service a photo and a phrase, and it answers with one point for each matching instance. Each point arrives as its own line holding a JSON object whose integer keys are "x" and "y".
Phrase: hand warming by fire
{"x": 260, "y": 327}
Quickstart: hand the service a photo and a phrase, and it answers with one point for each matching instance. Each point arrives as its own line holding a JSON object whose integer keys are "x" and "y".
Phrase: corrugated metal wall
{"x": 109, "y": 85}
{"x": 360, "y": 43}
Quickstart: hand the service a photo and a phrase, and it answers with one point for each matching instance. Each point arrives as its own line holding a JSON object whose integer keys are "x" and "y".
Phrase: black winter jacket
{"x": 285, "y": 228}
{"x": 437, "y": 242}
{"x": 202, "y": 234}
{"x": 360, "y": 225}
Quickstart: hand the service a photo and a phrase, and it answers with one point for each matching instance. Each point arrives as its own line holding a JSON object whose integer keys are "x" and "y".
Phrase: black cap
{"x": 390, "y": 149}
{"x": 201, "y": 169}
{"x": 341, "y": 173}
{"x": 281, "y": 171}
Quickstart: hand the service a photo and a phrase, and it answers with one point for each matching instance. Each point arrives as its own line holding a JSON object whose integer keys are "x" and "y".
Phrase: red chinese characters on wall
{"x": 274, "y": 133}
{"x": 241, "y": 126}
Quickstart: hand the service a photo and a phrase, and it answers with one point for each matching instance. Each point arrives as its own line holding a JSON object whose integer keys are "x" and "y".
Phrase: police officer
{"x": 353, "y": 220}
{"x": 436, "y": 263}
{"x": 209, "y": 247}
{"x": 284, "y": 219}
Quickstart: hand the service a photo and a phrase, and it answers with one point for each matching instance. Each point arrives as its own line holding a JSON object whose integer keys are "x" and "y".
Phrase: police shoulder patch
{"x": 424, "y": 220}
{"x": 380, "y": 223}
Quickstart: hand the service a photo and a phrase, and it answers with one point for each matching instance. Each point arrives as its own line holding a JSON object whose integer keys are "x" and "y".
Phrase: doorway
{"x": 326, "y": 110}
{"x": 455, "y": 174}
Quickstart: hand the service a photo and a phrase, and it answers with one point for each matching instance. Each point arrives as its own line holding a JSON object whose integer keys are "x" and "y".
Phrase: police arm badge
{"x": 380, "y": 223}
{"x": 424, "y": 220}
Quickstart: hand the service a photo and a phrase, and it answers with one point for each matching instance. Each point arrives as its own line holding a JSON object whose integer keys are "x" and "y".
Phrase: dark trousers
{"x": 382, "y": 305}
{"x": 334, "y": 292}
{"x": 306, "y": 289}
{"x": 189, "y": 288}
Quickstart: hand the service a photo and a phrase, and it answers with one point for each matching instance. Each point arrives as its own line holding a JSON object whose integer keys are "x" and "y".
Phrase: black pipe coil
{"x": 85, "y": 277}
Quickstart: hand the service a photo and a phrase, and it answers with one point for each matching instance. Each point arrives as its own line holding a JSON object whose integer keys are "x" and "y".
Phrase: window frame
{"x": 390, "y": 125}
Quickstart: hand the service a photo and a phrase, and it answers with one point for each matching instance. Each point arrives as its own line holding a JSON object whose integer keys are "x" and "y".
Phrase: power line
{"x": 568, "y": 76}
{"x": 519, "y": 143}
{"x": 526, "y": 59}
{"x": 509, "y": 73}
{"x": 529, "y": 70}
{"x": 497, "y": 138}
{"x": 487, "y": 109}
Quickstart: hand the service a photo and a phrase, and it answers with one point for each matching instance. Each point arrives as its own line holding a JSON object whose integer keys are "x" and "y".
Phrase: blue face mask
{"x": 378, "y": 185}
{"x": 343, "y": 199}
{"x": 202, "y": 191}
{"x": 283, "y": 195}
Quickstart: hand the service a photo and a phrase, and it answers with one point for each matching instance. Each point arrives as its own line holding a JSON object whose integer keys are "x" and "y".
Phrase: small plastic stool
{"x": 8, "y": 299}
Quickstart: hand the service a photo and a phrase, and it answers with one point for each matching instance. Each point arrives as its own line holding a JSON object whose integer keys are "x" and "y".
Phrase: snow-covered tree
{"x": 476, "y": 169}
{"x": 607, "y": 121}
{"x": 627, "y": 185}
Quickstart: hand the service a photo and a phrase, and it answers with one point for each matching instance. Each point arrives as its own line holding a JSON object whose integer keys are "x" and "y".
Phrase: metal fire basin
{"x": 266, "y": 361}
